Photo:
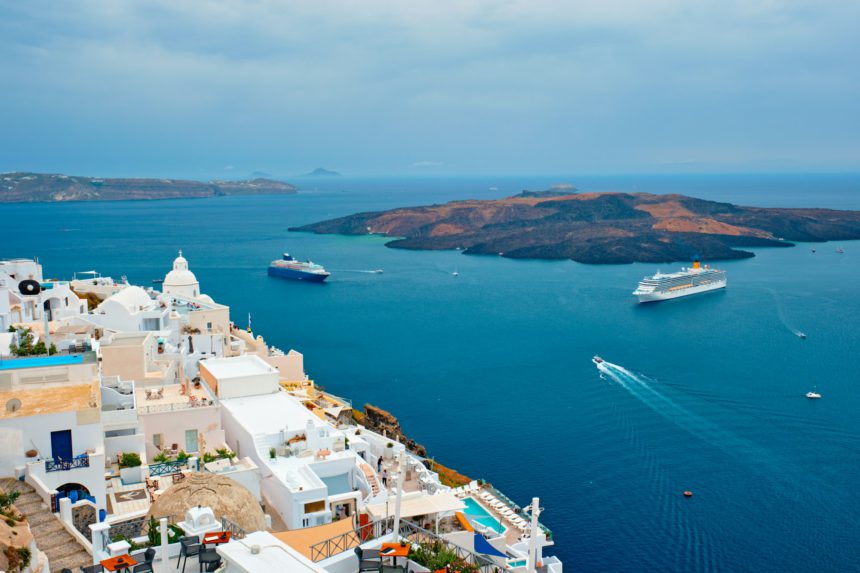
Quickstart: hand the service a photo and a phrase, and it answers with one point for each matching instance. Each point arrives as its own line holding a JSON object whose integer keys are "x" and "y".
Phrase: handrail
{"x": 423, "y": 537}
{"x": 60, "y": 465}
{"x": 350, "y": 539}
{"x": 235, "y": 530}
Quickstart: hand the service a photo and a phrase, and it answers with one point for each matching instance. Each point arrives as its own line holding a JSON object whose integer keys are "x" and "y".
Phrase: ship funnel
{"x": 696, "y": 264}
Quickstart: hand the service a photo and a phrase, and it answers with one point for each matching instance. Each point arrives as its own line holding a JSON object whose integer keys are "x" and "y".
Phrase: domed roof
{"x": 131, "y": 298}
{"x": 226, "y": 497}
{"x": 180, "y": 275}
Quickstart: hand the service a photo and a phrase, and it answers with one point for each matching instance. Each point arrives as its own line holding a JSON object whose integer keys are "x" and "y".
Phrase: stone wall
{"x": 83, "y": 515}
{"x": 131, "y": 528}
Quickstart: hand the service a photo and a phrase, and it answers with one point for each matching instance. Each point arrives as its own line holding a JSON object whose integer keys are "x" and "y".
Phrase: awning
{"x": 413, "y": 504}
{"x": 483, "y": 547}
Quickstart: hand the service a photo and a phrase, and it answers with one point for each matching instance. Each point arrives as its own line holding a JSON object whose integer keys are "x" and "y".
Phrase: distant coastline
{"x": 23, "y": 187}
{"x": 597, "y": 228}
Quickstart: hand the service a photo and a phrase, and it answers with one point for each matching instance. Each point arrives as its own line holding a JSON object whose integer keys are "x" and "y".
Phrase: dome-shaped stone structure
{"x": 181, "y": 281}
{"x": 226, "y": 497}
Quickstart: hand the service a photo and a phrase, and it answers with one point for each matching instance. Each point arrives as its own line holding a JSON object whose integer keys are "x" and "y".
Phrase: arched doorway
{"x": 74, "y": 491}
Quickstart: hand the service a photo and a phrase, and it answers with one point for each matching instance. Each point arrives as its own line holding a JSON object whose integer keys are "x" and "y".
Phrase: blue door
{"x": 61, "y": 445}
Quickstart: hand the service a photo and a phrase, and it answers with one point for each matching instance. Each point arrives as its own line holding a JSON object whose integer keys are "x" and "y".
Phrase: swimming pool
{"x": 480, "y": 515}
{"x": 36, "y": 361}
{"x": 517, "y": 563}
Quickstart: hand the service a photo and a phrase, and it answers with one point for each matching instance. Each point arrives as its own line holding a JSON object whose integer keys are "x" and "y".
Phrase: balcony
{"x": 172, "y": 398}
{"x": 58, "y": 465}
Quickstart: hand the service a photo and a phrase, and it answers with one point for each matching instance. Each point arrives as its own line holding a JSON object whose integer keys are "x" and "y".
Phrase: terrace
{"x": 173, "y": 397}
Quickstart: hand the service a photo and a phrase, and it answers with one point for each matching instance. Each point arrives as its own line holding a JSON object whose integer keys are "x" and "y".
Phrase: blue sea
{"x": 492, "y": 370}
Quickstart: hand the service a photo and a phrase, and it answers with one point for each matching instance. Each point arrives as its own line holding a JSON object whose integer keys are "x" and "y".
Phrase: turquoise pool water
{"x": 41, "y": 361}
{"x": 479, "y": 514}
{"x": 517, "y": 563}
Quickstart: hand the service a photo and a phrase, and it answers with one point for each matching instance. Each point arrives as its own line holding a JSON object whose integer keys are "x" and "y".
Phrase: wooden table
{"x": 216, "y": 538}
{"x": 119, "y": 563}
{"x": 394, "y": 550}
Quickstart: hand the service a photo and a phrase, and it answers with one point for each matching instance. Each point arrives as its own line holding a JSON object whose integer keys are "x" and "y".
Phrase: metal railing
{"x": 166, "y": 468}
{"x": 236, "y": 532}
{"x": 59, "y": 465}
{"x": 351, "y": 539}
{"x": 426, "y": 539}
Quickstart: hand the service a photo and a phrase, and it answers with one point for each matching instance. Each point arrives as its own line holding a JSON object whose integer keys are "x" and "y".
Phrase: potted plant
{"x": 130, "y": 470}
{"x": 389, "y": 451}
{"x": 31, "y": 453}
{"x": 272, "y": 453}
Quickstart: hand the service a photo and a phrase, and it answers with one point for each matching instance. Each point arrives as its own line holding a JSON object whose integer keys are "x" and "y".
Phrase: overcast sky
{"x": 222, "y": 89}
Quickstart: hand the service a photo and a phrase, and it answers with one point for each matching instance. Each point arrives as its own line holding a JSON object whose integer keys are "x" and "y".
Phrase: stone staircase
{"x": 371, "y": 479}
{"x": 51, "y": 537}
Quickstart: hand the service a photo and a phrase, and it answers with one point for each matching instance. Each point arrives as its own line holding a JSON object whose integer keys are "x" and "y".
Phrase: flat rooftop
{"x": 270, "y": 413}
{"x": 128, "y": 339}
{"x": 48, "y": 400}
{"x": 170, "y": 397}
{"x": 238, "y": 366}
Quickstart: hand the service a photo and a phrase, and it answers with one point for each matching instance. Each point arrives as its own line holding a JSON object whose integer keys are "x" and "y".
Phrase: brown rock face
{"x": 598, "y": 228}
{"x": 385, "y": 423}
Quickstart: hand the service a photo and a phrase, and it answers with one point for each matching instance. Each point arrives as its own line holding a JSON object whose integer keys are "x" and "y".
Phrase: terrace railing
{"x": 427, "y": 539}
{"x": 350, "y": 539}
{"x": 166, "y": 468}
{"x": 58, "y": 465}
{"x": 236, "y": 532}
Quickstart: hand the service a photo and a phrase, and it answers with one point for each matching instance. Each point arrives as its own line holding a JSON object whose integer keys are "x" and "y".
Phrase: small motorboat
{"x": 455, "y": 274}
{"x": 801, "y": 335}
{"x": 688, "y": 493}
{"x": 597, "y": 360}
{"x": 813, "y": 395}
{"x": 378, "y": 271}
{"x": 840, "y": 251}
{"x": 813, "y": 250}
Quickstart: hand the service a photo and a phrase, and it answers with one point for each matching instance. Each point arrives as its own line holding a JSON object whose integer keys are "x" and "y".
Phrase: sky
{"x": 428, "y": 87}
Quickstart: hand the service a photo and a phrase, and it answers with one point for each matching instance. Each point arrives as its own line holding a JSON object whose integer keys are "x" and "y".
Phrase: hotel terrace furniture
{"x": 216, "y": 538}
{"x": 119, "y": 563}
{"x": 189, "y": 546}
{"x": 367, "y": 562}
{"x": 92, "y": 569}
{"x": 394, "y": 550}
{"x": 209, "y": 560}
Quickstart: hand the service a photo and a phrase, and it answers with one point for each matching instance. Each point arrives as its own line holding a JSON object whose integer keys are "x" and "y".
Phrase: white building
{"x": 51, "y": 427}
{"x": 181, "y": 281}
{"x": 130, "y": 310}
{"x": 56, "y": 300}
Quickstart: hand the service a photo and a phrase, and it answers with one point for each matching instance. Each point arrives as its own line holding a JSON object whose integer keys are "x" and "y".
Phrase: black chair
{"x": 149, "y": 555}
{"x": 188, "y": 550}
{"x": 209, "y": 559}
{"x": 92, "y": 569}
{"x": 65, "y": 570}
{"x": 368, "y": 563}
{"x": 143, "y": 568}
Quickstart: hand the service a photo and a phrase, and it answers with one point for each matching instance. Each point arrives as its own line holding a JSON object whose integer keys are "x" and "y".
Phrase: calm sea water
{"x": 492, "y": 370}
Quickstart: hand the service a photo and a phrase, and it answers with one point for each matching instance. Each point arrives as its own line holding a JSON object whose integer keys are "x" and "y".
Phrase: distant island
{"x": 597, "y": 228}
{"x": 321, "y": 172}
{"x": 43, "y": 187}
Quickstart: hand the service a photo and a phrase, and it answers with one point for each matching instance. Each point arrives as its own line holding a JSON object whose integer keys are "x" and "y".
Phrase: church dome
{"x": 226, "y": 497}
{"x": 180, "y": 280}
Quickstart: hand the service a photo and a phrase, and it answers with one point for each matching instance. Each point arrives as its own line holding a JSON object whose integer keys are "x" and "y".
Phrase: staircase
{"x": 51, "y": 537}
{"x": 371, "y": 479}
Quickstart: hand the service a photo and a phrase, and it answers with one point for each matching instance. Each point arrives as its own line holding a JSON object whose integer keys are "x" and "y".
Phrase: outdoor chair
{"x": 143, "y": 568}
{"x": 92, "y": 569}
{"x": 369, "y": 564}
{"x": 209, "y": 560}
{"x": 188, "y": 547}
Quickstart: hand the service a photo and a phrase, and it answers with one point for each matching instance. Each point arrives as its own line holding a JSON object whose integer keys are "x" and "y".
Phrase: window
{"x": 315, "y": 506}
{"x": 209, "y": 326}
{"x": 158, "y": 440}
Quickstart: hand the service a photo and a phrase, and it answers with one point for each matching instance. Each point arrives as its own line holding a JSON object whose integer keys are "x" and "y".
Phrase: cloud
{"x": 488, "y": 85}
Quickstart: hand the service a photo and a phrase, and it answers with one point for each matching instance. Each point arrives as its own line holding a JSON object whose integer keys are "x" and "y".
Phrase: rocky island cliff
{"x": 42, "y": 187}
{"x": 598, "y": 228}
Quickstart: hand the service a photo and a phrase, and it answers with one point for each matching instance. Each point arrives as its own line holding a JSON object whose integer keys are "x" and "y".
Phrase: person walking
{"x": 385, "y": 478}
{"x": 379, "y": 464}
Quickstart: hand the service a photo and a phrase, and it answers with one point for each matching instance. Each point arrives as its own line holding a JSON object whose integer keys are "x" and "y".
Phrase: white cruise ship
{"x": 673, "y": 285}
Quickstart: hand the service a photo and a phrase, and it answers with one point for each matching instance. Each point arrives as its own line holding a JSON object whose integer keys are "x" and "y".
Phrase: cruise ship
{"x": 685, "y": 282}
{"x": 289, "y": 268}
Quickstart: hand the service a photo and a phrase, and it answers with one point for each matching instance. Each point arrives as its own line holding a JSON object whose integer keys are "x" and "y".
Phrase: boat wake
{"x": 780, "y": 311}
{"x": 367, "y": 272}
{"x": 641, "y": 388}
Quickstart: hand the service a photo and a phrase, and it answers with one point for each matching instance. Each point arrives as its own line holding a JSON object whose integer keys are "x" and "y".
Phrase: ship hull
{"x": 668, "y": 295}
{"x": 293, "y": 274}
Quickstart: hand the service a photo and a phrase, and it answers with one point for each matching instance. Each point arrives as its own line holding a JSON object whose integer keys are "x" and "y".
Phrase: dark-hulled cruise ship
{"x": 290, "y": 268}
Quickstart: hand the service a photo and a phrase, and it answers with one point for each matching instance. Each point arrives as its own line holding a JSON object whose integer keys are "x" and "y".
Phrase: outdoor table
{"x": 119, "y": 563}
{"x": 216, "y": 538}
{"x": 394, "y": 550}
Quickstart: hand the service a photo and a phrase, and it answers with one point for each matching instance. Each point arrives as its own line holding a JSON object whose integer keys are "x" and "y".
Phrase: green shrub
{"x": 182, "y": 457}
{"x": 130, "y": 460}
{"x": 7, "y": 499}
{"x": 25, "y": 556}
{"x": 160, "y": 458}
